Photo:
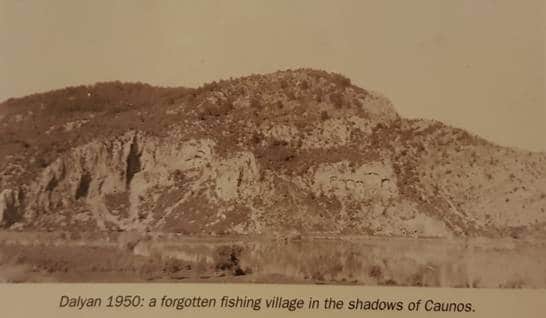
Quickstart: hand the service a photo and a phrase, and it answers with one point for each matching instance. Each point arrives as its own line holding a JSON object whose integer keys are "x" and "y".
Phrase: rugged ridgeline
{"x": 293, "y": 151}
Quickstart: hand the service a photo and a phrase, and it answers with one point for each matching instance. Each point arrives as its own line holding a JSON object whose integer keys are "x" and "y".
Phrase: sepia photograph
{"x": 370, "y": 143}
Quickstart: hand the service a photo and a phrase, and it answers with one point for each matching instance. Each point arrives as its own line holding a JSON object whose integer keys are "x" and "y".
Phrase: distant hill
{"x": 297, "y": 151}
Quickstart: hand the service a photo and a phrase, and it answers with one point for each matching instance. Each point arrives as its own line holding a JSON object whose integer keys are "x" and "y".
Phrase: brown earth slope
{"x": 300, "y": 151}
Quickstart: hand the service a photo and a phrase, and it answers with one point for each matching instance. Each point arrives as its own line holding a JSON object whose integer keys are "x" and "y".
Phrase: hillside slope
{"x": 293, "y": 151}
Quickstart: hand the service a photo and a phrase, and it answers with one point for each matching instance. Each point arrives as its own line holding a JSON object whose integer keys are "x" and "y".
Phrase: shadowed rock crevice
{"x": 83, "y": 187}
{"x": 52, "y": 184}
{"x": 11, "y": 208}
{"x": 11, "y": 214}
{"x": 133, "y": 162}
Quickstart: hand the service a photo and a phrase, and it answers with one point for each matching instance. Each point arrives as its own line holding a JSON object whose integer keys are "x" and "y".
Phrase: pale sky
{"x": 474, "y": 64}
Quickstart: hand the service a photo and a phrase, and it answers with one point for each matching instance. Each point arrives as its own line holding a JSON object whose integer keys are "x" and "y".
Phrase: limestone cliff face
{"x": 301, "y": 151}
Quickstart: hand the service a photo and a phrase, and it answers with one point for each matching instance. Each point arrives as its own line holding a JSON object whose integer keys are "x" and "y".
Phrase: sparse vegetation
{"x": 299, "y": 150}
{"x": 336, "y": 99}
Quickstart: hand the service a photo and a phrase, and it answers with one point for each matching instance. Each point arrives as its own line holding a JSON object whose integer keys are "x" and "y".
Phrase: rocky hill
{"x": 300, "y": 151}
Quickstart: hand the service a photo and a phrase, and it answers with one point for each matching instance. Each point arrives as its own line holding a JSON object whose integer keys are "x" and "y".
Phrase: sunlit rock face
{"x": 300, "y": 151}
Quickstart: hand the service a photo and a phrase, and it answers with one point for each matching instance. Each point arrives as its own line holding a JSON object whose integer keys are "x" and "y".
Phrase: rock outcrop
{"x": 300, "y": 151}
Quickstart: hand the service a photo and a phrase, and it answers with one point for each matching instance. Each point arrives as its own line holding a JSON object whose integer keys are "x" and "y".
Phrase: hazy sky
{"x": 475, "y": 64}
